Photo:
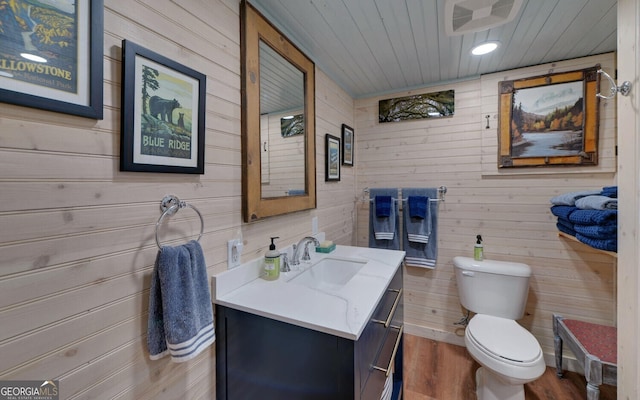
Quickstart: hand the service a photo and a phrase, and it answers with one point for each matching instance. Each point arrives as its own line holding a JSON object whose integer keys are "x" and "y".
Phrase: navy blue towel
{"x": 383, "y": 206}
{"x": 601, "y": 244}
{"x": 597, "y": 231}
{"x": 567, "y": 225}
{"x": 594, "y": 217}
{"x": 566, "y": 229}
{"x": 418, "y": 206}
{"x": 610, "y": 191}
{"x": 563, "y": 211}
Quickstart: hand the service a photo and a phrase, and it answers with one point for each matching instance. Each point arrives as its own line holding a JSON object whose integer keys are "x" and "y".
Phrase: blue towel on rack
{"x": 418, "y": 206}
{"x": 383, "y": 231}
{"x": 418, "y": 227}
{"x": 383, "y": 206}
{"x": 597, "y": 202}
{"x": 421, "y": 254}
{"x": 180, "y": 313}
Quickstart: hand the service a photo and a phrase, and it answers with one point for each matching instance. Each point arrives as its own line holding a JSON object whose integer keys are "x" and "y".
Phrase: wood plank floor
{"x": 441, "y": 371}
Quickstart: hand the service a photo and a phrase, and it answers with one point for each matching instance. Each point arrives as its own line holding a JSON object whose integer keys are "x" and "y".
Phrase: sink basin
{"x": 329, "y": 273}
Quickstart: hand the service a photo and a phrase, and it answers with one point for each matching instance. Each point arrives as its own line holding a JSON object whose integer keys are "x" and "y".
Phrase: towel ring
{"x": 170, "y": 205}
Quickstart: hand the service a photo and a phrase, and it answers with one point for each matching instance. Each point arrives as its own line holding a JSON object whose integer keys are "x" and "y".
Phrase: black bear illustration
{"x": 163, "y": 108}
{"x": 181, "y": 120}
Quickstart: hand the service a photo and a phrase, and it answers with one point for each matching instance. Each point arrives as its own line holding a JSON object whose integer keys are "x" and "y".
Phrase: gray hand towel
{"x": 418, "y": 229}
{"x": 180, "y": 311}
{"x": 420, "y": 254}
{"x": 383, "y": 232}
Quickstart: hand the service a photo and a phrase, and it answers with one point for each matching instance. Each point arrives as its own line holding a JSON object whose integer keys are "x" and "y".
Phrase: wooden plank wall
{"x": 77, "y": 240}
{"x": 510, "y": 209}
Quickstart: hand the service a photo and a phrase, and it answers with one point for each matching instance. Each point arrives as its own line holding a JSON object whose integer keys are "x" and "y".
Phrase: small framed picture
{"x": 347, "y": 145}
{"x": 332, "y": 158}
{"x": 163, "y": 113}
{"x": 51, "y": 55}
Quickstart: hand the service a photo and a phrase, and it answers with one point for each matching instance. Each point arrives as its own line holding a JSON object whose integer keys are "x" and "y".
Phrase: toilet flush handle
{"x": 468, "y": 273}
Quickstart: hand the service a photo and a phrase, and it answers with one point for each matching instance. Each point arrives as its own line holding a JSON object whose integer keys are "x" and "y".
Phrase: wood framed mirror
{"x": 278, "y": 121}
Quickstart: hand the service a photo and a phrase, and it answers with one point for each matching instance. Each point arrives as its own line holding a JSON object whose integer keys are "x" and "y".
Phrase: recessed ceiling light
{"x": 484, "y": 48}
{"x": 33, "y": 57}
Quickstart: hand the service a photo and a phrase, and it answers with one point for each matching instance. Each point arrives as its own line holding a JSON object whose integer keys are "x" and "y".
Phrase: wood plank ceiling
{"x": 371, "y": 47}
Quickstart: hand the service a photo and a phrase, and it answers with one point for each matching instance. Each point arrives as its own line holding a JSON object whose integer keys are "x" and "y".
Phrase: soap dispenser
{"x": 478, "y": 250}
{"x": 272, "y": 262}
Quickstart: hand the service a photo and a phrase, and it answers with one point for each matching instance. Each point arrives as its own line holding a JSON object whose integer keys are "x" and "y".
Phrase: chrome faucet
{"x": 284, "y": 264}
{"x": 305, "y": 256}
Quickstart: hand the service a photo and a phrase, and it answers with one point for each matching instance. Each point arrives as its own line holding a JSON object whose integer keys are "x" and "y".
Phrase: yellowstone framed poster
{"x": 163, "y": 113}
{"x": 549, "y": 120}
{"x": 51, "y": 55}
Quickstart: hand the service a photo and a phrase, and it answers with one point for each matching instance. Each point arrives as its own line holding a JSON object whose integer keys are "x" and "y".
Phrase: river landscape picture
{"x": 548, "y": 120}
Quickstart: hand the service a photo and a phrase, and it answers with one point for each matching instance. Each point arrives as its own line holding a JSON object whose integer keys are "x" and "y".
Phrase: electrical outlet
{"x": 234, "y": 253}
{"x": 314, "y": 225}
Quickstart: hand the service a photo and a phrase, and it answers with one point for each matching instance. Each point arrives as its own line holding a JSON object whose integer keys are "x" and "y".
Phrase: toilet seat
{"x": 505, "y": 347}
{"x": 504, "y": 338}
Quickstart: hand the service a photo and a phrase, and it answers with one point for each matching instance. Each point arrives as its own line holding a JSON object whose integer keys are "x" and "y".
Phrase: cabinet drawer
{"x": 388, "y": 313}
{"x": 385, "y": 364}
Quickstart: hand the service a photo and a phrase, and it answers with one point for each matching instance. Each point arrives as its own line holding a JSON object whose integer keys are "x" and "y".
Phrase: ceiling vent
{"x": 468, "y": 16}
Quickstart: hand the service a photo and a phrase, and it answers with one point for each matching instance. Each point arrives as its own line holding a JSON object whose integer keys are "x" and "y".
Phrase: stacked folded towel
{"x": 610, "y": 191}
{"x": 597, "y": 202}
{"x": 590, "y": 216}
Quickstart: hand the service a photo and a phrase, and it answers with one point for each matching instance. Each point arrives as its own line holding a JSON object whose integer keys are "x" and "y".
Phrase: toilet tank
{"x": 491, "y": 287}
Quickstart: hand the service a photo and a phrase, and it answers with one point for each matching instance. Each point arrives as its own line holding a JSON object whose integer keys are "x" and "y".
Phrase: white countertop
{"x": 343, "y": 312}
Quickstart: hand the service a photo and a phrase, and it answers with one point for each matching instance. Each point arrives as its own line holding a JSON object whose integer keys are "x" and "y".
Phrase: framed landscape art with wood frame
{"x": 51, "y": 55}
{"x": 163, "y": 113}
{"x": 549, "y": 120}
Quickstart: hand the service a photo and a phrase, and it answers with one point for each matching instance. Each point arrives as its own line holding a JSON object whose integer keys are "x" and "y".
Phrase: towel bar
{"x": 170, "y": 205}
{"x": 442, "y": 190}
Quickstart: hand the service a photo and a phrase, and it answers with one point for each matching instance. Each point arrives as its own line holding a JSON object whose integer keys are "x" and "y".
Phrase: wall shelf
{"x": 572, "y": 238}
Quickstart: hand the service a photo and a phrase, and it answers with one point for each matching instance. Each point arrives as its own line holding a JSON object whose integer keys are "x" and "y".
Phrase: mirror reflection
{"x": 282, "y": 138}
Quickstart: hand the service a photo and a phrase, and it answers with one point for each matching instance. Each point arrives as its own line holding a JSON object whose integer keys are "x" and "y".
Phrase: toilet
{"x": 508, "y": 354}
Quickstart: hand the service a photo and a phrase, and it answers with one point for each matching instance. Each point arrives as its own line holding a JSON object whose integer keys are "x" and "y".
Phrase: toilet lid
{"x": 504, "y": 338}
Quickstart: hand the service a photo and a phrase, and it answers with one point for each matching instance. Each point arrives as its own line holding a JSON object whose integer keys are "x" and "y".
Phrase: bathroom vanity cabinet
{"x": 262, "y": 358}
